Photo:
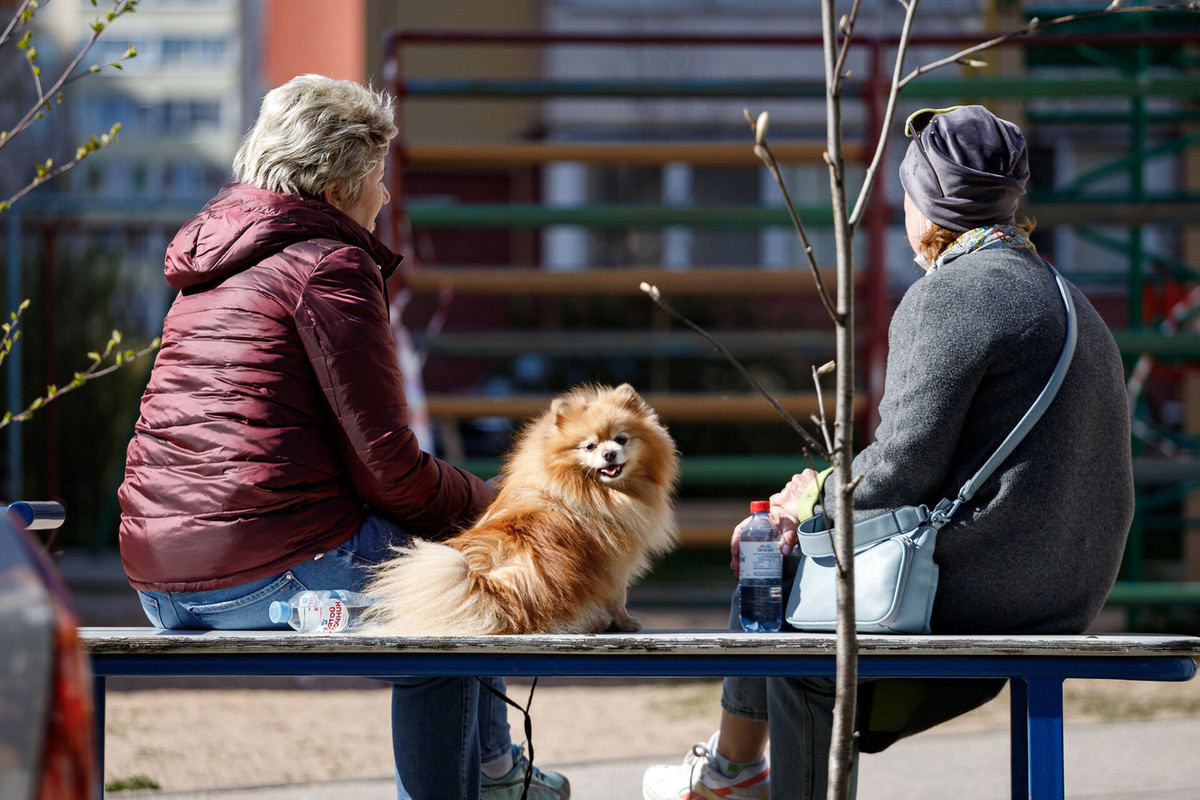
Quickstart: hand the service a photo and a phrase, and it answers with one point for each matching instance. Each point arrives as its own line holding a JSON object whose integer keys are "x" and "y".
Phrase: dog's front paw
{"x": 625, "y": 624}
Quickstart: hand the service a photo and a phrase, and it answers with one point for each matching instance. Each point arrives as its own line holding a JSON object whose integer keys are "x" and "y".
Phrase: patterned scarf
{"x": 990, "y": 236}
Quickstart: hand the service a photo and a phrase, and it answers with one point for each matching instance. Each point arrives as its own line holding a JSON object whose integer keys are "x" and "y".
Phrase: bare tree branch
{"x": 763, "y": 151}
{"x": 654, "y": 294}
{"x": 889, "y": 113}
{"x": 846, "y": 27}
{"x": 1035, "y": 25}
{"x": 821, "y": 420}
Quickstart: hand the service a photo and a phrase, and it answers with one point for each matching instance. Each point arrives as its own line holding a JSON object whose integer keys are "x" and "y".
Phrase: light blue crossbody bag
{"x": 895, "y": 574}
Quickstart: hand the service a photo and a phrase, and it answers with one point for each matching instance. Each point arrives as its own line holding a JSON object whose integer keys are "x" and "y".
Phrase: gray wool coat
{"x": 1037, "y": 549}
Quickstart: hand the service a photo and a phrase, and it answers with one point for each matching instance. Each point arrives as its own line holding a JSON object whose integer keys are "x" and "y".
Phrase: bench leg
{"x": 1037, "y": 738}
{"x": 1018, "y": 710}
{"x": 98, "y": 709}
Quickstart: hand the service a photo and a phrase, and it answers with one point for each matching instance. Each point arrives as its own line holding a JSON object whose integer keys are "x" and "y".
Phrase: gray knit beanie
{"x": 972, "y": 171}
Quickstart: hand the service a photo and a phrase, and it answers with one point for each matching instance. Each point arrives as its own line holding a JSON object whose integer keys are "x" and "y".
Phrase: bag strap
{"x": 940, "y": 516}
{"x": 815, "y": 538}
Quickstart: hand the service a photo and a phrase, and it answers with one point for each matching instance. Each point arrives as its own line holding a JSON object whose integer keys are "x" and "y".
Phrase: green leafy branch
{"x": 19, "y": 32}
{"x": 10, "y": 331}
{"x": 50, "y": 97}
{"x": 94, "y": 370}
{"x": 46, "y": 169}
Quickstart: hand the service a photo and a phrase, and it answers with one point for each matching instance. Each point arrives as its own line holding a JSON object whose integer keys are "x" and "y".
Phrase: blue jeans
{"x": 799, "y": 712}
{"x": 442, "y": 728}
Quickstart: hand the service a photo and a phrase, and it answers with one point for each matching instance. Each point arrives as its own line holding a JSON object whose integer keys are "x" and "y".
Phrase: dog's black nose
{"x": 609, "y": 455}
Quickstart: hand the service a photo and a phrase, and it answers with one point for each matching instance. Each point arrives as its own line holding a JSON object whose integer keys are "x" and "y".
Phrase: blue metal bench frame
{"x": 1037, "y": 666}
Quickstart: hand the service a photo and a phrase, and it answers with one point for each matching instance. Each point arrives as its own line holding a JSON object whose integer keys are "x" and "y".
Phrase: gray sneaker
{"x": 543, "y": 786}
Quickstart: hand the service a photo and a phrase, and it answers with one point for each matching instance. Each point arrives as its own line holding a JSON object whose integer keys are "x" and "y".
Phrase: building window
{"x": 166, "y": 54}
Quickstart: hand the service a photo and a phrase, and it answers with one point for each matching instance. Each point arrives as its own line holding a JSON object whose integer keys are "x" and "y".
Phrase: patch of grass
{"x": 1109, "y": 704}
{"x": 685, "y": 700}
{"x": 133, "y": 782}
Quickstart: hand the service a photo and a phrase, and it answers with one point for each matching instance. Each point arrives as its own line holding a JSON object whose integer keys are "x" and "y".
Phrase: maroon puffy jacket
{"x": 276, "y": 410}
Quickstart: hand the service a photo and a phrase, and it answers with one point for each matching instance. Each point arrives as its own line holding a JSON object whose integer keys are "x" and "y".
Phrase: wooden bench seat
{"x": 1035, "y": 665}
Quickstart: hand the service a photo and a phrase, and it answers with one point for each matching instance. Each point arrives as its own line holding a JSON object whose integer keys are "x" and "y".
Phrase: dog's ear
{"x": 558, "y": 410}
{"x": 629, "y": 396}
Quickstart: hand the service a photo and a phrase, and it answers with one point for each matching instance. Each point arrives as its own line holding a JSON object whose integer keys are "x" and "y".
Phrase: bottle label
{"x": 321, "y": 615}
{"x": 335, "y": 617}
{"x": 760, "y": 561}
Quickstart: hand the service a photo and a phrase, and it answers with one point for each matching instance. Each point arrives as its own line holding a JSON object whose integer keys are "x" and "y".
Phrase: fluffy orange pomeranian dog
{"x": 584, "y": 504}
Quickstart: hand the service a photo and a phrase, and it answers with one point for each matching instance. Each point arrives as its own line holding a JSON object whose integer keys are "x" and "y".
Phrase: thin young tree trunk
{"x": 846, "y": 698}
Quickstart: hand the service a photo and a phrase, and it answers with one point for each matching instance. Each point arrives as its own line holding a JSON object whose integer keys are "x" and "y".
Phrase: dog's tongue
{"x": 612, "y": 470}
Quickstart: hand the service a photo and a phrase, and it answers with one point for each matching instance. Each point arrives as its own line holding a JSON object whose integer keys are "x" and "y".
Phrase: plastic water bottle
{"x": 760, "y": 571}
{"x": 321, "y": 611}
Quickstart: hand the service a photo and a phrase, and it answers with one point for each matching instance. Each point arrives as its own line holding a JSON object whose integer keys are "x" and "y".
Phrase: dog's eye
{"x": 621, "y": 440}
{"x": 590, "y": 446}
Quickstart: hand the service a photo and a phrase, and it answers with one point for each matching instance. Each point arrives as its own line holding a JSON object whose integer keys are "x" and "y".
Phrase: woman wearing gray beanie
{"x": 971, "y": 344}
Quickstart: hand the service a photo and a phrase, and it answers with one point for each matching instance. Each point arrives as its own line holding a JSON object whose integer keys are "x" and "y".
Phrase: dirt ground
{"x": 210, "y": 738}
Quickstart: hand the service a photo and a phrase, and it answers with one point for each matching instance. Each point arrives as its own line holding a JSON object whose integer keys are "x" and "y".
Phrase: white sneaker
{"x": 698, "y": 778}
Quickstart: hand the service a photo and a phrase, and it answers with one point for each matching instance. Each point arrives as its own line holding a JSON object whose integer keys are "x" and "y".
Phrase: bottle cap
{"x": 280, "y": 611}
{"x": 760, "y": 506}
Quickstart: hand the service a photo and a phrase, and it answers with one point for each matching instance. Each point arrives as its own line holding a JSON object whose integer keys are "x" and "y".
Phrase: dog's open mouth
{"x": 612, "y": 471}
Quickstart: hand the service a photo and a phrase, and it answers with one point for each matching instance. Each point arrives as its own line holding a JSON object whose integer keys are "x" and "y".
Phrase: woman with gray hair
{"x": 273, "y": 454}
{"x": 1037, "y": 548}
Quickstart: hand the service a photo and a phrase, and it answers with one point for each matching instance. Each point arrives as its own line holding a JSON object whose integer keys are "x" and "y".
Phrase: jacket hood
{"x": 243, "y": 224}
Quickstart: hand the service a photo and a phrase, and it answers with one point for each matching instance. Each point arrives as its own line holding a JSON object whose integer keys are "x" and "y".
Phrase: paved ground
{"x": 1112, "y": 761}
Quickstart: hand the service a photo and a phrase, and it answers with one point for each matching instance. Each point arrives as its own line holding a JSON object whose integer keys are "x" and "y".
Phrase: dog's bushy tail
{"x": 427, "y": 590}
